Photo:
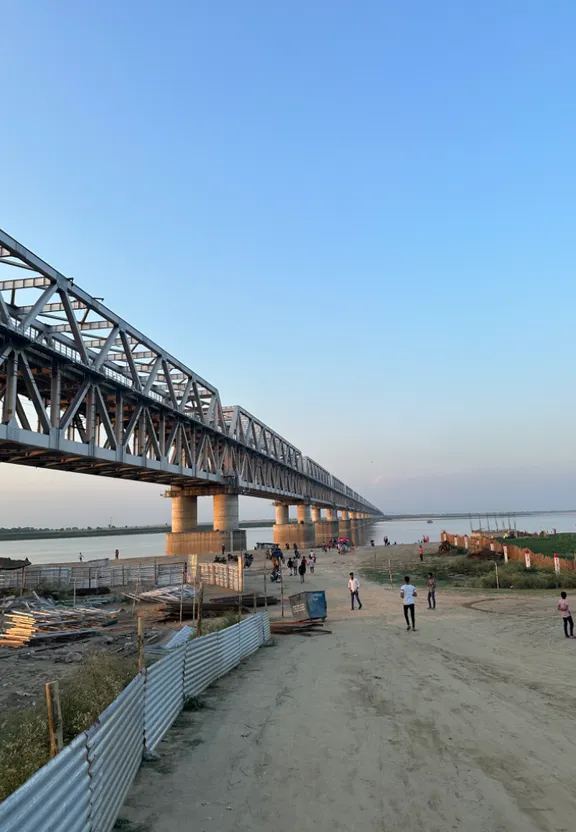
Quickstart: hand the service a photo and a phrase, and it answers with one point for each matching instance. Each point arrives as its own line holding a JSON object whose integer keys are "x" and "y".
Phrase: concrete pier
{"x": 225, "y": 512}
{"x": 184, "y": 514}
{"x": 185, "y": 539}
{"x": 344, "y": 525}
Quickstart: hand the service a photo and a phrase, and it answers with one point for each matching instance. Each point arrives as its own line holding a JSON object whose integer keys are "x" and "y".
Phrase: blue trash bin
{"x": 309, "y": 605}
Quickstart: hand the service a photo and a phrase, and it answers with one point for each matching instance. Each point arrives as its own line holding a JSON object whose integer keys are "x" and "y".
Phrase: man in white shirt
{"x": 408, "y": 593}
{"x": 354, "y": 586}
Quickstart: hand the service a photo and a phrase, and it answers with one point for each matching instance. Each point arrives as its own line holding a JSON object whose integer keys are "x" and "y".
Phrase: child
{"x": 567, "y": 619}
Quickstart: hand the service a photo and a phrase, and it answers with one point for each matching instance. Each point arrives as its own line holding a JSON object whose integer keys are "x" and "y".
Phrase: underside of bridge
{"x": 82, "y": 390}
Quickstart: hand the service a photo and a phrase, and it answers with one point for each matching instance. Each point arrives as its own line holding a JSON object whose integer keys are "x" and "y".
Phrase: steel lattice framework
{"x": 83, "y": 390}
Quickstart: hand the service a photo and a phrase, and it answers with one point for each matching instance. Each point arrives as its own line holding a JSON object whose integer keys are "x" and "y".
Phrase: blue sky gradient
{"x": 356, "y": 219}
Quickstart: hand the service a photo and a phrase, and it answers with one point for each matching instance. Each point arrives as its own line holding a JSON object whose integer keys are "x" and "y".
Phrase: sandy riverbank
{"x": 465, "y": 724}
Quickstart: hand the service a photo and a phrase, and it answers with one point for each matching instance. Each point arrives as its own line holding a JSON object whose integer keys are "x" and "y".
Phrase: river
{"x": 130, "y": 546}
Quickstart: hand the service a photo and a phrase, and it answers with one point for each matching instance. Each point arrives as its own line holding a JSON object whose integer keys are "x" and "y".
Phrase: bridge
{"x": 82, "y": 390}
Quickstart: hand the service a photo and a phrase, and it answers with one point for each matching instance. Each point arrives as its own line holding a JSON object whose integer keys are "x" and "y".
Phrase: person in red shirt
{"x": 567, "y": 619}
{"x": 421, "y": 552}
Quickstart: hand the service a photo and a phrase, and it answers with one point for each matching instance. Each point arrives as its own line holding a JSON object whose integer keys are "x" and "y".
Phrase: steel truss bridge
{"x": 82, "y": 390}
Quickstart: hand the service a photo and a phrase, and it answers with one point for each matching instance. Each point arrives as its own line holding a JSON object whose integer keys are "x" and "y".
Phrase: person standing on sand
{"x": 116, "y": 554}
{"x": 431, "y": 591}
{"x": 312, "y": 562}
{"x": 290, "y": 565}
{"x": 408, "y": 593}
{"x": 302, "y": 570}
{"x": 421, "y": 553}
{"x": 567, "y": 619}
{"x": 354, "y": 586}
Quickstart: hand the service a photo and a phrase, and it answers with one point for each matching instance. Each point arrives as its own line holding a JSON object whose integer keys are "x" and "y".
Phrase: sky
{"x": 356, "y": 219}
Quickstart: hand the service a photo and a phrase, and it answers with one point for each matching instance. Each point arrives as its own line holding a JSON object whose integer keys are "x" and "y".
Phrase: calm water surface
{"x": 129, "y": 546}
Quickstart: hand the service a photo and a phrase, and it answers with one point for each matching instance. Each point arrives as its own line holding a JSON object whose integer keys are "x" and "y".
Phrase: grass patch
{"x": 555, "y": 544}
{"x": 213, "y": 625}
{"x": 24, "y": 742}
{"x": 467, "y": 572}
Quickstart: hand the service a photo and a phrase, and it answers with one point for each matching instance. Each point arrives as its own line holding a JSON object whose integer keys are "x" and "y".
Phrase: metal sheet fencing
{"x": 83, "y": 788}
{"x": 230, "y": 648}
{"x": 55, "y": 799}
{"x": 164, "y": 696}
{"x": 203, "y": 663}
{"x": 250, "y": 636}
{"x": 115, "y": 743}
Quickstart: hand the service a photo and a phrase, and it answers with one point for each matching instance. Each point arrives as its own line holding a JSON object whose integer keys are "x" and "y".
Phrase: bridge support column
{"x": 226, "y": 515}
{"x": 328, "y": 529}
{"x": 184, "y": 514}
{"x": 186, "y": 539}
{"x": 282, "y": 514}
{"x": 344, "y": 525}
{"x": 316, "y": 514}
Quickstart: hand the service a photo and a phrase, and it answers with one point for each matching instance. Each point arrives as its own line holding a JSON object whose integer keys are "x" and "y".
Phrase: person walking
{"x": 354, "y": 586}
{"x": 312, "y": 562}
{"x": 116, "y": 554}
{"x": 408, "y": 593}
{"x": 421, "y": 553}
{"x": 80, "y": 557}
{"x": 567, "y": 619}
{"x": 302, "y": 570}
{"x": 290, "y": 565}
{"x": 431, "y": 591}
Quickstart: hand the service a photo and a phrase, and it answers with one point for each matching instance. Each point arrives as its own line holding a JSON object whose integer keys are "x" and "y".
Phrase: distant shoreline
{"x": 53, "y": 534}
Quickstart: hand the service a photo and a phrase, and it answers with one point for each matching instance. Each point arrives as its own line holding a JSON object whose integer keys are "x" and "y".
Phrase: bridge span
{"x": 82, "y": 390}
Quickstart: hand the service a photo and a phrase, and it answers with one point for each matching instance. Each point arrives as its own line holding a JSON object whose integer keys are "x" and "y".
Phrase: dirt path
{"x": 466, "y": 724}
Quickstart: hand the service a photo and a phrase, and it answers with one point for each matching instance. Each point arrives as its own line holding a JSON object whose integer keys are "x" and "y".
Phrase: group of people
{"x": 302, "y": 567}
{"x": 408, "y": 593}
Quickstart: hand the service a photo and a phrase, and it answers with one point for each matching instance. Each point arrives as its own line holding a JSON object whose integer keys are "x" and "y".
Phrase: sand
{"x": 465, "y": 724}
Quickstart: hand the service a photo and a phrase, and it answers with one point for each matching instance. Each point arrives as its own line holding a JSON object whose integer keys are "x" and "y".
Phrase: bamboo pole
{"x": 200, "y": 599}
{"x": 181, "y": 594}
{"x": 55, "y": 727}
{"x": 140, "y": 643}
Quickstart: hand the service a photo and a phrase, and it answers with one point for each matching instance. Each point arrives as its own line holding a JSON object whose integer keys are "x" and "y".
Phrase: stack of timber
{"x": 37, "y": 625}
{"x": 217, "y": 606}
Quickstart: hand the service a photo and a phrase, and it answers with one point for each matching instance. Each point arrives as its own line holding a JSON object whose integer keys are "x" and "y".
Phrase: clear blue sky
{"x": 355, "y": 218}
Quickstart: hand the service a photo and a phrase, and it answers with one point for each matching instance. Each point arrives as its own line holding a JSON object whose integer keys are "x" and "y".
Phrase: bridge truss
{"x": 82, "y": 390}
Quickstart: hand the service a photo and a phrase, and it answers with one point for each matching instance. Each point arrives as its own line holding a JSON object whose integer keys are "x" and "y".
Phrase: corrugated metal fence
{"x": 92, "y": 576}
{"x": 84, "y": 787}
{"x": 478, "y": 543}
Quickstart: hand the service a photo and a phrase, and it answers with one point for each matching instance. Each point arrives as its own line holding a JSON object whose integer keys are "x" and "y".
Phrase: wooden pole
{"x": 497, "y": 578}
{"x": 390, "y": 570}
{"x": 55, "y": 727}
{"x": 265, "y": 590}
{"x": 281, "y": 590}
{"x": 182, "y": 595}
{"x": 140, "y": 643}
{"x": 200, "y": 599}
{"x": 255, "y": 601}
{"x": 74, "y": 591}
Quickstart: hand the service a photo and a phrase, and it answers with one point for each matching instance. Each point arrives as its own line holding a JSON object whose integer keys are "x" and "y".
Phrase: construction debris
{"x": 306, "y": 627}
{"x": 22, "y": 627}
{"x": 219, "y": 605}
{"x": 165, "y": 594}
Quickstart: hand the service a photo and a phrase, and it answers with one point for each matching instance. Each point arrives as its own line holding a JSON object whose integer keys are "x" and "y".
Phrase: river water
{"x": 139, "y": 545}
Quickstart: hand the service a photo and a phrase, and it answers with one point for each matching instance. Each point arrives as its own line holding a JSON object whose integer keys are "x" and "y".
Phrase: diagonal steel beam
{"x": 34, "y": 393}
